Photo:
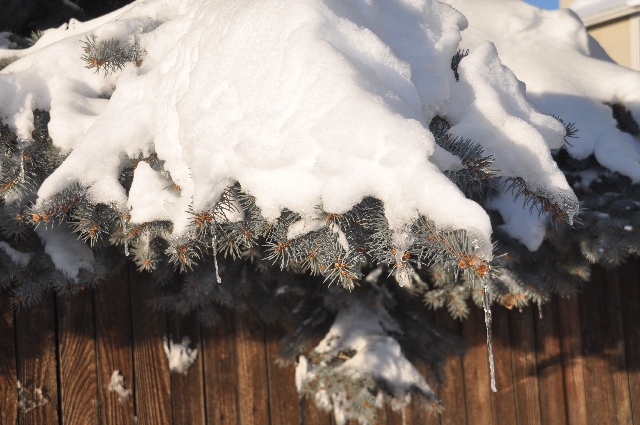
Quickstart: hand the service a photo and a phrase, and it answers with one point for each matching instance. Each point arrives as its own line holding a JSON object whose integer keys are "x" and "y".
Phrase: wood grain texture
{"x": 114, "y": 349}
{"x": 77, "y": 348}
{"x": 572, "y": 362}
{"x": 284, "y": 405}
{"x": 523, "y": 363}
{"x": 311, "y": 415}
{"x": 37, "y": 363}
{"x": 618, "y": 397}
{"x": 504, "y": 401}
{"x": 630, "y": 300}
{"x": 594, "y": 364}
{"x": 8, "y": 370}
{"x": 253, "y": 387}
{"x": 451, "y": 391}
{"x": 152, "y": 382}
{"x": 221, "y": 372}
{"x": 549, "y": 365}
{"x": 475, "y": 364}
{"x": 187, "y": 391}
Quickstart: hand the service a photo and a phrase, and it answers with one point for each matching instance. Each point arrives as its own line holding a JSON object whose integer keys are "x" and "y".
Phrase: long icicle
{"x": 214, "y": 243}
{"x": 486, "y": 303}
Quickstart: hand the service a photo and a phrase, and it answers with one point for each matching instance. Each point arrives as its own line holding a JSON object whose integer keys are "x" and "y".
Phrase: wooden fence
{"x": 579, "y": 364}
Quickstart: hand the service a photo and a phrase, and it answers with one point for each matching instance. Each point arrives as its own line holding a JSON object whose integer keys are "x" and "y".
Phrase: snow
{"x": 151, "y": 196}
{"x": 365, "y": 328}
{"x": 565, "y": 74}
{"x": 68, "y": 253}
{"x": 320, "y": 102}
{"x": 20, "y": 258}
{"x": 180, "y": 355}
{"x": 529, "y": 229}
{"x": 116, "y": 384}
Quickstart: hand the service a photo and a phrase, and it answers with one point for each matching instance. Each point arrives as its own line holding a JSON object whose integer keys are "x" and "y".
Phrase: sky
{"x": 545, "y": 4}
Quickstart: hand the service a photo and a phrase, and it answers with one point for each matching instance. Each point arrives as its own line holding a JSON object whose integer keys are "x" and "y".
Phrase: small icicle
{"x": 214, "y": 243}
{"x": 486, "y": 303}
{"x": 21, "y": 166}
{"x": 126, "y": 248}
{"x": 540, "y": 311}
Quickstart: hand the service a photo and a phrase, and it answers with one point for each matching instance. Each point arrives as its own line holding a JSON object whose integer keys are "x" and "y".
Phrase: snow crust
{"x": 317, "y": 102}
{"x": 565, "y": 74}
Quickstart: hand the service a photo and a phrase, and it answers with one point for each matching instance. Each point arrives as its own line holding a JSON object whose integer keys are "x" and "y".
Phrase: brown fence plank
{"x": 572, "y": 360}
{"x": 311, "y": 415}
{"x": 114, "y": 347}
{"x": 630, "y": 297}
{"x": 152, "y": 384}
{"x": 549, "y": 365}
{"x": 252, "y": 370}
{"x": 77, "y": 347}
{"x": 187, "y": 391}
{"x": 283, "y": 396}
{"x": 618, "y": 397}
{"x": 221, "y": 372}
{"x": 594, "y": 364}
{"x": 504, "y": 401}
{"x": 476, "y": 370}
{"x": 451, "y": 391}
{"x": 37, "y": 364}
{"x": 523, "y": 361}
{"x": 8, "y": 371}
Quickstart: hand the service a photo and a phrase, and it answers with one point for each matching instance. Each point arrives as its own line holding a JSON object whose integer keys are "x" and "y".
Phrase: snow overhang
{"x": 596, "y": 12}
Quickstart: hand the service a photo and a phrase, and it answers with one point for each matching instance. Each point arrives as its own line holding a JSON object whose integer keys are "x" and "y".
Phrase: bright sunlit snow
{"x": 564, "y": 72}
{"x": 316, "y": 102}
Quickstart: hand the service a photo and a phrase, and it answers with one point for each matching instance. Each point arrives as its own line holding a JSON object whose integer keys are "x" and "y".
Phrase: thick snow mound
{"x": 564, "y": 72}
{"x": 306, "y": 103}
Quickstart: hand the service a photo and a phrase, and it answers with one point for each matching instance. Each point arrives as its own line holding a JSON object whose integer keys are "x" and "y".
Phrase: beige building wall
{"x": 617, "y": 38}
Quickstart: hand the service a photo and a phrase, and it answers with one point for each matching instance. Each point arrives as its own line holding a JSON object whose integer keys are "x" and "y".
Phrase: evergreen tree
{"x": 352, "y": 276}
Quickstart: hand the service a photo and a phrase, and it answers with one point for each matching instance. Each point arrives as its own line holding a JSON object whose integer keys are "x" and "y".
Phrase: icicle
{"x": 126, "y": 248}
{"x": 214, "y": 244}
{"x": 540, "y": 311}
{"x": 486, "y": 302}
{"x": 21, "y": 166}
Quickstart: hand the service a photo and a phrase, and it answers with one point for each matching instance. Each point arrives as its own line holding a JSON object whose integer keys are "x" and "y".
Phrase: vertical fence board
{"x": 523, "y": 361}
{"x": 283, "y": 396}
{"x": 252, "y": 370}
{"x": 8, "y": 371}
{"x": 503, "y": 401}
{"x": 618, "y": 397}
{"x": 221, "y": 372}
{"x": 451, "y": 391}
{"x": 549, "y": 365}
{"x": 37, "y": 363}
{"x": 311, "y": 415}
{"x": 152, "y": 383}
{"x": 572, "y": 360}
{"x": 417, "y": 413}
{"x": 114, "y": 348}
{"x": 77, "y": 345}
{"x": 630, "y": 297}
{"x": 187, "y": 391}
{"x": 595, "y": 367}
{"x": 475, "y": 365}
